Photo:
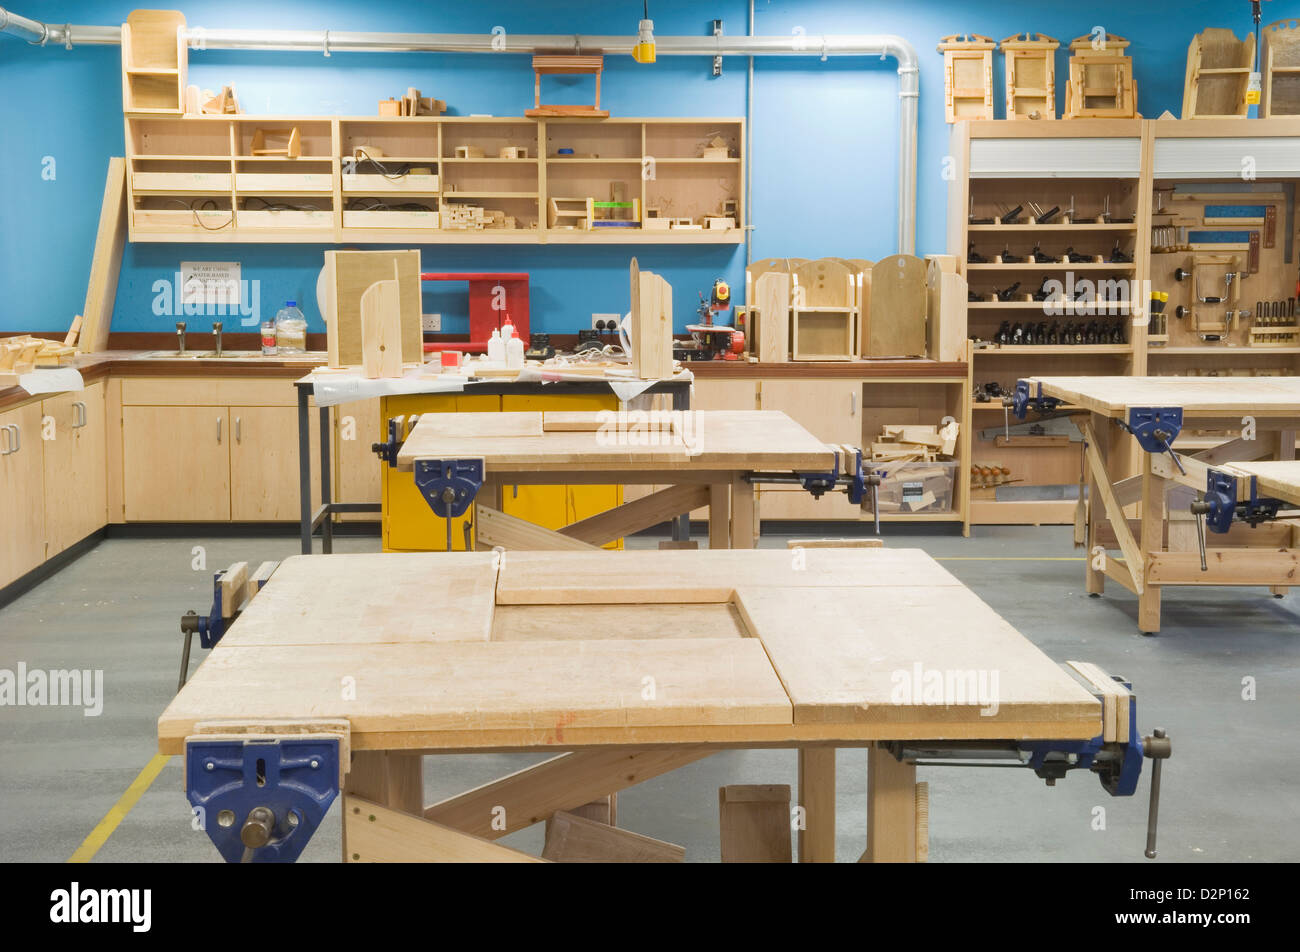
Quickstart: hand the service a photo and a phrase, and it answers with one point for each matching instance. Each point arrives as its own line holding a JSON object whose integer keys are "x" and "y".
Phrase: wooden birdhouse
{"x": 1031, "y": 75}
{"x": 968, "y": 76}
{"x": 1101, "y": 79}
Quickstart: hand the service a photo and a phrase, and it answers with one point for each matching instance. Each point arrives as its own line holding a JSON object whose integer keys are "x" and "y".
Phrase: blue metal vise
{"x": 262, "y": 799}
{"x": 1026, "y": 399}
{"x": 387, "y": 450}
{"x": 1220, "y": 505}
{"x": 1117, "y": 764}
{"x": 1155, "y": 428}
{"x": 449, "y": 485}
{"x": 857, "y": 482}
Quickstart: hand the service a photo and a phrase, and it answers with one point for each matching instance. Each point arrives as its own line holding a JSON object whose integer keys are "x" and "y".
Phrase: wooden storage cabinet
{"x": 22, "y": 487}
{"x": 264, "y": 481}
{"x": 176, "y": 463}
{"x": 75, "y": 465}
{"x": 831, "y": 410}
{"x": 212, "y": 450}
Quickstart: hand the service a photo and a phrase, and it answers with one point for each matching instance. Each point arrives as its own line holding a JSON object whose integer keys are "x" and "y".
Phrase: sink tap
{"x": 180, "y": 337}
{"x": 216, "y": 333}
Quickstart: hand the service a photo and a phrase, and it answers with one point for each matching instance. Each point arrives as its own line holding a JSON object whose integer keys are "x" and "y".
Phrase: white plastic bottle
{"x": 496, "y": 348}
{"x": 291, "y": 329}
{"x": 514, "y": 351}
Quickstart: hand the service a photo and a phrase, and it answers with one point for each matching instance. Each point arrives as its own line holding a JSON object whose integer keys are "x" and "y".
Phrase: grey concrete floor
{"x": 1230, "y": 792}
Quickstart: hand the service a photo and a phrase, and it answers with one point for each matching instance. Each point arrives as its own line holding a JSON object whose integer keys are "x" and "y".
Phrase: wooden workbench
{"x": 635, "y": 663}
{"x": 705, "y": 458}
{"x": 1265, "y": 411}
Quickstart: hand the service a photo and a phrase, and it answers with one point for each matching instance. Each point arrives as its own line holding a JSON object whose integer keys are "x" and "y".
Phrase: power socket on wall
{"x": 431, "y": 322}
{"x": 605, "y": 323}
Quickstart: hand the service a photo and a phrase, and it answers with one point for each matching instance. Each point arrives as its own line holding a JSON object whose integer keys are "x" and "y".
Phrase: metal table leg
{"x": 327, "y": 527}
{"x": 682, "y": 524}
{"x": 304, "y": 469}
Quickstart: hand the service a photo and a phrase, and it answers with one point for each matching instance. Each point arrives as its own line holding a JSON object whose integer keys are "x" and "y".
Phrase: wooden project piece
{"x": 1031, "y": 75}
{"x": 772, "y": 300}
{"x": 755, "y": 823}
{"x": 823, "y": 311}
{"x": 566, "y": 66}
{"x": 347, "y": 276}
{"x": 1218, "y": 73}
{"x": 286, "y": 143}
{"x": 945, "y": 321}
{"x": 897, "y": 323}
{"x": 1101, "y": 82}
{"x": 381, "y": 329}
{"x": 968, "y": 76}
{"x": 652, "y": 324}
{"x": 153, "y": 62}
{"x": 1281, "y": 68}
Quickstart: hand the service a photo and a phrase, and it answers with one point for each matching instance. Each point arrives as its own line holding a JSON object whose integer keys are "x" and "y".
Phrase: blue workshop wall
{"x": 825, "y": 141}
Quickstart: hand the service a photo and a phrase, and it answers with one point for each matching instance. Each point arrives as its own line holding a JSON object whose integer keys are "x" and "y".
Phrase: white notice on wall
{"x": 211, "y": 284}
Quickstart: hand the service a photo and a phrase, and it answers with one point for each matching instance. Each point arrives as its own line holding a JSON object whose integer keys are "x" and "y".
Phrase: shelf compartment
{"x": 285, "y": 183}
{"x": 178, "y": 139}
{"x": 686, "y": 140}
{"x": 371, "y": 184}
{"x": 287, "y": 219}
{"x": 694, "y": 191}
{"x": 593, "y": 140}
{"x": 191, "y": 183}
{"x": 389, "y": 218}
{"x": 490, "y": 135}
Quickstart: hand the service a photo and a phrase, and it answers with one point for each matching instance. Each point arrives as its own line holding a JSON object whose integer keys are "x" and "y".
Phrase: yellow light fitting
{"x": 644, "y": 51}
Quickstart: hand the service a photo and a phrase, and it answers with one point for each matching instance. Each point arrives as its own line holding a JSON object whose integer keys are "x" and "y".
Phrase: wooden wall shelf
{"x": 394, "y": 180}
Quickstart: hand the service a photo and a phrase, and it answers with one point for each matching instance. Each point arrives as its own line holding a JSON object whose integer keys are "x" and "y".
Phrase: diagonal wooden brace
{"x": 1114, "y": 511}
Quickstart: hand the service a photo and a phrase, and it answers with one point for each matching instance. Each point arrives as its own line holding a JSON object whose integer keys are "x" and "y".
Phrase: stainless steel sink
{"x": 314, "y": 356}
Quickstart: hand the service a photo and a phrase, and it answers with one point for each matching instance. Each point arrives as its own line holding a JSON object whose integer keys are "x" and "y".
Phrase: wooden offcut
{"x": 754, "y": 820}
{"x": 772, "y": 298}
{"x": 652, "y": 325}
{"x": 575, "y": 839}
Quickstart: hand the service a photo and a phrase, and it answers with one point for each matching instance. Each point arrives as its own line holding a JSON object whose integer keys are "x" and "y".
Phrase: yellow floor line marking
{"x": 100, "y": 834}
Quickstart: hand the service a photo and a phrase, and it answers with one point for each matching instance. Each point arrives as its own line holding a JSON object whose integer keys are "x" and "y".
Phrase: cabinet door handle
{"x": 237, "y": 429}
{"x": 78, "y": 415}
{"x": 853, "y": 403}
{"x": 218, "y": 429}
{"x": 18, "y": 436}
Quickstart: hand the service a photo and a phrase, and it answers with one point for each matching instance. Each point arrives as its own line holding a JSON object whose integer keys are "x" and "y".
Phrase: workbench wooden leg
{"x": 390, "y": 779}
{"x": 1094, "y": 578}
{"x": 743, "y": 525}
{"x": 891, "y": 809}
{"x": 1153, "y": 521}
{"x": 719, "y": 516}
{"x": 817, "y": 798}
{"x": 1286, "y": 444}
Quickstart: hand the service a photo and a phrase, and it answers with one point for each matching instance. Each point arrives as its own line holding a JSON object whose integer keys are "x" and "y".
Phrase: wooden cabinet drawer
{"x": 210, "y": 391}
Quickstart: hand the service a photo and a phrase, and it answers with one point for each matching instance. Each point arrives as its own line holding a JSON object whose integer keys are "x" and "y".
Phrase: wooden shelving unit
{"x": 1096, "y": 168}
{"x": 1137, "y": 164}
{"x": 407, "y": 180}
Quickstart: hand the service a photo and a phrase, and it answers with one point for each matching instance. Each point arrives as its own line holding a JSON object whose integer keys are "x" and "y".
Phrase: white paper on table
{"x": 331, "y": 389}
{"x": 52, "y": 380}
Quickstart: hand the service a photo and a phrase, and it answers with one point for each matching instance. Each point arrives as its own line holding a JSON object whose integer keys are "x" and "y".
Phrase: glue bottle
{"x": 514, "y": 349}
{"x": 496, "y": 348}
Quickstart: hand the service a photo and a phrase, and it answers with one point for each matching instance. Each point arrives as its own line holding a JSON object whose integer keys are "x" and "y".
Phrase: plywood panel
{"x": 640, "y": 576}
{"x": 907, "y": 653}
{"x": 417, "y": 597}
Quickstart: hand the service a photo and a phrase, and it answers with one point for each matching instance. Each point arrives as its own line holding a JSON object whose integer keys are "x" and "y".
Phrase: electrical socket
{"x": 431, "y": 323}
{"x": 608, "y": 328}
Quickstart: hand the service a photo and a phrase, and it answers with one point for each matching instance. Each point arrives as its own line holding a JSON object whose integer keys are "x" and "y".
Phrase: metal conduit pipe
{"x": 329, "y": 41}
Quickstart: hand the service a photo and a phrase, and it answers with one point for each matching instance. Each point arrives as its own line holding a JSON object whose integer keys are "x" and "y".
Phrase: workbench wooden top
{"x": 1202, "y": 396}
{"x": 728, "y": 647}
{"x": 552, "y": 441}
{"x": 1279, "y": 479}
